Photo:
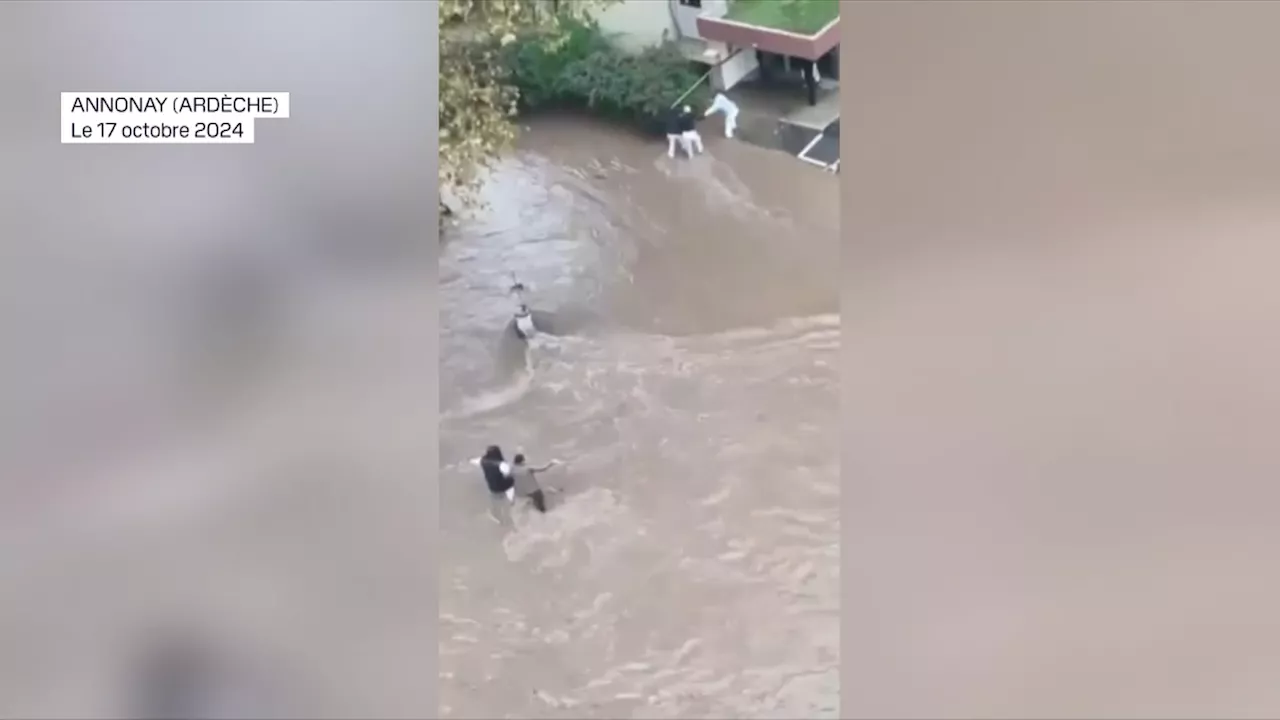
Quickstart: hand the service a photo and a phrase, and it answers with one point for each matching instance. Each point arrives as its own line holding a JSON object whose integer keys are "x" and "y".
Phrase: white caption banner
{"x": 195, "y": 118}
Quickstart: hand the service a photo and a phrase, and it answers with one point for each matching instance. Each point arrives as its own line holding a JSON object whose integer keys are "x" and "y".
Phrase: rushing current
{"x": 689, "y": 567}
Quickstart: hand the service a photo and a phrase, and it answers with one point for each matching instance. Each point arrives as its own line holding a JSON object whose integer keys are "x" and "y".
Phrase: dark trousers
{"x": 539, "y": 500}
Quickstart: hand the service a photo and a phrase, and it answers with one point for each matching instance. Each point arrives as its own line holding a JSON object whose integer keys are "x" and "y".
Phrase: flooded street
{"x": 690, "y": 566}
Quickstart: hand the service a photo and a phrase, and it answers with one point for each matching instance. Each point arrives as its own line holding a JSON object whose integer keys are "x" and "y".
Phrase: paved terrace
{"x": 778, "y": 116}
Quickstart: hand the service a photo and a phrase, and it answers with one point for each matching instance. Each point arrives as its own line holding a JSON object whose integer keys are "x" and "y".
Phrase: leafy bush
{"x": 584, "y": 71}
{"x": 536, "y": 60}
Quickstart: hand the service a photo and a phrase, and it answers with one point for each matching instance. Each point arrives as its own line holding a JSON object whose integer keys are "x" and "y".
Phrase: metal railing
{"x": 833, "y": 167}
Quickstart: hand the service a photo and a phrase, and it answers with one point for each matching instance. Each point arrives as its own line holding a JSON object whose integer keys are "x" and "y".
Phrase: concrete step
{"x": 826, "y": 150}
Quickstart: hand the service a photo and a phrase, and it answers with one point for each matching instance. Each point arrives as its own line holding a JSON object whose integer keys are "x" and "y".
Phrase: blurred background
{"x": 1061, "y": 424}
{"x": 217, "y": 433}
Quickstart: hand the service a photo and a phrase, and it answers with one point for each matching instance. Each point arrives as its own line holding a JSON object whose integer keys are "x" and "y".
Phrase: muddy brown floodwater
{"x": 690, "y": 567}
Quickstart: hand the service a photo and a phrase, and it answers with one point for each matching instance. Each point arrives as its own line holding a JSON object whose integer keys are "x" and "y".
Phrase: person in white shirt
{"x": 722, "y": 104}
{"x": 526, "y": 481}
{"x": 524, "y": 323}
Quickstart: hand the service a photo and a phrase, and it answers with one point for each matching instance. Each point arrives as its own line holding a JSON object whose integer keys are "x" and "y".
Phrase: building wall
{"x": 735, "y": 69}
{"x": 636, "y": 24}
{"x": 687, "y": 17}
{"x": 639, "y": 23}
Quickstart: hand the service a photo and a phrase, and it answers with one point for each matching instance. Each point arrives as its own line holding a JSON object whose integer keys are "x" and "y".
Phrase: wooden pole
{"x": 705, "y": 75}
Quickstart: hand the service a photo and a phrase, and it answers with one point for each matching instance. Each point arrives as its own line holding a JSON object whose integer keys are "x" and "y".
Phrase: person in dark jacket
{"x": 675, "y": 135}
{"x": 498, "y": 478}
{"x": 689, "y": 131}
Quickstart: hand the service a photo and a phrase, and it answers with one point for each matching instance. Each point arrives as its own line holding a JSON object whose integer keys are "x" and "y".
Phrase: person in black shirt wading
{"x": 682, "y": 130}
{"x": 675, "y": 134}
{"x": 689, "y": 131}
{"x": 498, "y": 477}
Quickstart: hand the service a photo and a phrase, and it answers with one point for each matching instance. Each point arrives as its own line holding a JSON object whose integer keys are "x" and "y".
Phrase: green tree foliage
{"x": 586, "y": 72}
{"x": 477, "y": 100}
{"x": 635, "y": 88}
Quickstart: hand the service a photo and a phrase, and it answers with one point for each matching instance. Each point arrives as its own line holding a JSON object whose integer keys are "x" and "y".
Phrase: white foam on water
{"x": 507, "y": 394}
{"x": 585, "y": 527}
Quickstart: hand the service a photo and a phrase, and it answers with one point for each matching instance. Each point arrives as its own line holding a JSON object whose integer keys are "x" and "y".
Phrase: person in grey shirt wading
{"x": 526, "y": 481}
